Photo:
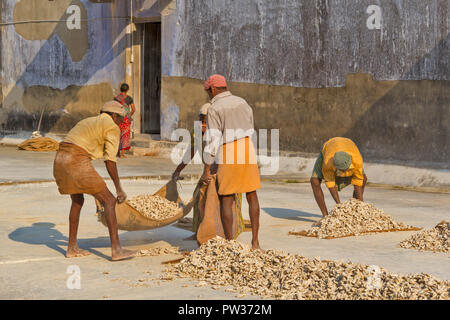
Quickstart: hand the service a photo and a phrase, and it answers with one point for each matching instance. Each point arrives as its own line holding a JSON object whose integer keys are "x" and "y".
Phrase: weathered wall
{"x": 400, "y": 120}
{"x": 68, "y": 60}
{"x": 312, "y": 43}
{"x": 295, "y": 62}
{"x": 312, "y": 68}
{"x": 1, "y": 53}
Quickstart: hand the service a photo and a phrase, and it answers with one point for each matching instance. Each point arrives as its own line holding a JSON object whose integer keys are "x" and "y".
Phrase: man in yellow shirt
{"x": 91, "y": 138}
{"x": 339, "y": 163}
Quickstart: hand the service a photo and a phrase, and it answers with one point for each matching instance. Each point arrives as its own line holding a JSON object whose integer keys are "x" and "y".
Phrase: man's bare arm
{"x": 111, "y": 167}
{"x": 335, "y": 194}
{"x": 183, "y": 165}
{"x": 359, "y": 193}
{"x": 206, "y": 177}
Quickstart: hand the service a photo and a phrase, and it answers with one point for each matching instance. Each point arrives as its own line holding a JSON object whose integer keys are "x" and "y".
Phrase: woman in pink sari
{"x": 125, "y": 127}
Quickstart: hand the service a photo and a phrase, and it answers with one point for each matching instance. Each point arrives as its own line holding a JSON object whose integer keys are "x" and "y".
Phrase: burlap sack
{"x": 41, "y": 144}
{"x": 210, "y": 224}
{"x": 130, "y": 219}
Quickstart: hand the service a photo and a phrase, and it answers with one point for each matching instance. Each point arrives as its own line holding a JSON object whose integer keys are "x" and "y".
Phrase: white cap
{"x": 204, "y": 109}
{"x": 114, "y": 107}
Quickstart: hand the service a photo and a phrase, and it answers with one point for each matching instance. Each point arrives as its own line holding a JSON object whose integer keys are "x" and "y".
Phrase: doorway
{"x": 151, "y": 82}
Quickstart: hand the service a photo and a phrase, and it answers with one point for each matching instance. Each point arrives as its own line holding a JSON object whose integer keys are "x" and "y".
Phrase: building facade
{"x": 377, "y": 72}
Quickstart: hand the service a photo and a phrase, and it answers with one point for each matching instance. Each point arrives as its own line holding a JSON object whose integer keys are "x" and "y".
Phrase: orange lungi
{"x": 73, "y": 171}
{"x": 238, "y": 170}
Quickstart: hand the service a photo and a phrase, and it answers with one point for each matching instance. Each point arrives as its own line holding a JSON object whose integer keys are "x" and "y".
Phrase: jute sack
{"x": 130, "y": 219}
{"x": 208, "y": 205}
{"x": 41, "y": 144}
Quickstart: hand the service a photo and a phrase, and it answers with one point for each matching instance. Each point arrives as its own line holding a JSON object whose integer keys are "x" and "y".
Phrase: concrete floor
{"x": 18, "y": 166}
{"x": 34, "y": 231}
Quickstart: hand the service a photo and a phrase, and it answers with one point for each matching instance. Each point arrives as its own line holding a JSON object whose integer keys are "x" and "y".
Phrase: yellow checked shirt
{"x": 99, "y": 136}
{"x": 329, "y": 170}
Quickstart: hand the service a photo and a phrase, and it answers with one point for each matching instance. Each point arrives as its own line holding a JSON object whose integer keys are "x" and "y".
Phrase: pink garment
{"x": 216, "y": 80}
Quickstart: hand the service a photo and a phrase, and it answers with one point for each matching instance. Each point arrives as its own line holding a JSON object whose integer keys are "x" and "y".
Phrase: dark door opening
{"x": 151, "y": 67}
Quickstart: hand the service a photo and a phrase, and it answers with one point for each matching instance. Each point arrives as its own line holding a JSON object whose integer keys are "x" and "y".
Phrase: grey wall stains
{"x": 396, "y": 106}
{"x": 312, "y": 43}
{"x": 1, "y": 54}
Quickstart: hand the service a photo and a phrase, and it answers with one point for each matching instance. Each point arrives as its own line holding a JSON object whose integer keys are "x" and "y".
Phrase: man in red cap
{"x": 229, "y": 128}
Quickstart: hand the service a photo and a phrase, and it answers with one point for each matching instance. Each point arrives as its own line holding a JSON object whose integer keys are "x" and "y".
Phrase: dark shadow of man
{"x": 41, "y": 233}
{"x": 291, "y": 214}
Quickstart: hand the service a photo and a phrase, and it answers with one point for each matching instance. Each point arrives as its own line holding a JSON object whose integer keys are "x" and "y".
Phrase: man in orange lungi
{"x": 229, "y": 128}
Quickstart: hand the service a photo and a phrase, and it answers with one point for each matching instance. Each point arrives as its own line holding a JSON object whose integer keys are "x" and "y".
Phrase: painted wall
{"x": 73, "y": 59}
{"x": 318, "y": 69}
{"x": 389, "y": 120}
{"x": 313, "y": 43}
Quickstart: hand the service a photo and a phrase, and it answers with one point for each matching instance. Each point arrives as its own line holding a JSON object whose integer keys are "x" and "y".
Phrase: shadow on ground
{"x": 43, "y": 233}
{"x": 290, "y": 214}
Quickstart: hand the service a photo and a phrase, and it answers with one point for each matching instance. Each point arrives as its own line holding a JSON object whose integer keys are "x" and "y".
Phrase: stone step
{"x": 151, "y": 145}
{"x": 145, "y": 140}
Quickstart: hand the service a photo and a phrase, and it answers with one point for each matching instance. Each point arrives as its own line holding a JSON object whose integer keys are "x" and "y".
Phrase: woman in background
{"x": 125, "y": 127}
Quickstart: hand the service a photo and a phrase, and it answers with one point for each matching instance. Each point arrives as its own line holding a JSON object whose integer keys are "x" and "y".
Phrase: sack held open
{"x": 130, "y": 219}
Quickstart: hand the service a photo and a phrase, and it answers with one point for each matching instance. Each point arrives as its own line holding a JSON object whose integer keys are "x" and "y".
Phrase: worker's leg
{"x": 108, "y": 201}
{"x": 253, "y": 205}
{"x": 318, "y": 195}
{"x": 226, "y": 214}
{"x": 74, "y": 219}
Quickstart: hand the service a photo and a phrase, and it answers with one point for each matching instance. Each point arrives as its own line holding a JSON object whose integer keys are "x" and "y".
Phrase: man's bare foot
{"x": 76, "y": 252}
{"x": 255, "y": 246}
{"x": 123, "y": 254}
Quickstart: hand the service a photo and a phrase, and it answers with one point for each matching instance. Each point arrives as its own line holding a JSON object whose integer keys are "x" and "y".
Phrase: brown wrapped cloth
{"x": 74, "y": 173}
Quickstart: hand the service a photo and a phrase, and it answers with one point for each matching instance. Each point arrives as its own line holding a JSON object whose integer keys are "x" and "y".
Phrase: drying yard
{"x": 34, "y": 229}
{"x": 278, "y": 275}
